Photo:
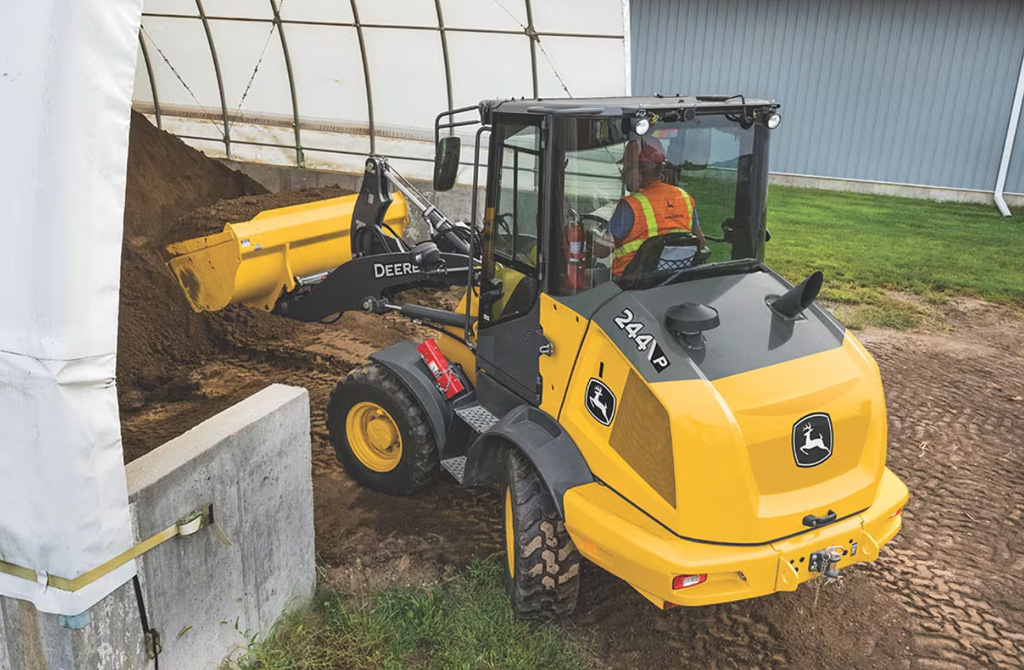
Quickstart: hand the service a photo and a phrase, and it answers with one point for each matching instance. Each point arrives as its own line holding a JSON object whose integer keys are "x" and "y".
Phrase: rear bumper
{"x": 612, "y": 533}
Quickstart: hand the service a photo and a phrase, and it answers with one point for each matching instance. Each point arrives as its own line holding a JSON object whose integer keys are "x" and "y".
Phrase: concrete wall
{"x": 252, "y": 463}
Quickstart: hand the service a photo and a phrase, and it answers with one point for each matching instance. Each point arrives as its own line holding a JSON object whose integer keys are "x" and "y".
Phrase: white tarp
{"x": 66, "y": 77}
{"x": 230, "y": 77}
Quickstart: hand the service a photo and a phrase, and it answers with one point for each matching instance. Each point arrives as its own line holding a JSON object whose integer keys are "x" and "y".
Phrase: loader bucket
{"x": 255, "y": 261}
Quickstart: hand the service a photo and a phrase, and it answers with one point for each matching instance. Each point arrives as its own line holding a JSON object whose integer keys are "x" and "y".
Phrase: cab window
{"x": 516, "y": 225}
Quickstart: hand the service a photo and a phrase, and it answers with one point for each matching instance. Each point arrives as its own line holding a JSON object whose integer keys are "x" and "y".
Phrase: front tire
{"x": 380, "y": 433}
{"x": 542, "y": 565}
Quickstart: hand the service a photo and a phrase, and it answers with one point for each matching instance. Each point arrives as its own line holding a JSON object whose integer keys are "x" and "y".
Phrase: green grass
{"x": 872, "y": 242}
{"x": 463, "y": 623}
{"x": 887, "y": 261}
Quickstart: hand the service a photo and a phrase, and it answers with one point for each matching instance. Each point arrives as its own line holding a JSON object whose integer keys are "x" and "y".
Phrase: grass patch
{"x": 465, "y": 622}
{"x": 869, "y": 245}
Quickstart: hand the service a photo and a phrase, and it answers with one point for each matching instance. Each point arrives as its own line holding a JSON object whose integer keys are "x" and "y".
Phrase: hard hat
{"x": 644, "y": 150}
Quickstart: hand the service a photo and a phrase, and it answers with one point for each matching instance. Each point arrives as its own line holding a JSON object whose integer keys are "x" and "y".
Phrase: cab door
{"x": 509, "y": 342}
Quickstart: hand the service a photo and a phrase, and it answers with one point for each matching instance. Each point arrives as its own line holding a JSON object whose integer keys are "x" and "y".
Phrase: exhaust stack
{"x": 797, "y": 299}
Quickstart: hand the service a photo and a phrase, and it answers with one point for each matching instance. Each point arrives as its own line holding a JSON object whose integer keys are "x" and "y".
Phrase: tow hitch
{"x": 825, "y": 561}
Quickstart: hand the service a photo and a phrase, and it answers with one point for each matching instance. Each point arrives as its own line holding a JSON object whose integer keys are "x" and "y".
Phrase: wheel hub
{"x": 374, "y": 436}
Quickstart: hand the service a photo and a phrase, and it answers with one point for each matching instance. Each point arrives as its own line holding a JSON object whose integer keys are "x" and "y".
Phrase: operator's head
{"x": 642, "y": 162}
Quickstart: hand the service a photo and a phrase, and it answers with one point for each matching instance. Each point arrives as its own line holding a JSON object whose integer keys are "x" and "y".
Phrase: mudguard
{"x": 539, "y": 436}
{"x": 403, "y": 359}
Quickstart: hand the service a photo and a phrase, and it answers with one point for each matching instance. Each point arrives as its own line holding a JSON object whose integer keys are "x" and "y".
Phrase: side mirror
{"x": 425, "y": 255}
{"x": 446, "y": 162}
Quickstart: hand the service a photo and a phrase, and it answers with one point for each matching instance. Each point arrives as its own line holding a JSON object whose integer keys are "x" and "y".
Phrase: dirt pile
{"x": 173, "y": 193}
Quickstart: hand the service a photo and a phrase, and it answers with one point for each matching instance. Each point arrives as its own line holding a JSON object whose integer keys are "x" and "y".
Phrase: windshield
{"x": 642, "y": 210}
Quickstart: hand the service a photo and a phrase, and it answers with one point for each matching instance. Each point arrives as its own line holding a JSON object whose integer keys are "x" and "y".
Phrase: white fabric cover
{"x": 66, "y": 74}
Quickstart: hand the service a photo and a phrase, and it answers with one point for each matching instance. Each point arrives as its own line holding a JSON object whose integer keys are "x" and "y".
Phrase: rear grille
{"x": 642, "y": 435}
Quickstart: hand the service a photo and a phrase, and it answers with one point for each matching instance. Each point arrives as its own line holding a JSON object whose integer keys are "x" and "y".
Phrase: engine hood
{"x": 770, "y": 424}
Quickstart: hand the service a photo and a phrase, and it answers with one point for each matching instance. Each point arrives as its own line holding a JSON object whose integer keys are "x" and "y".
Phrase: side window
{"x": 516, "y": 226}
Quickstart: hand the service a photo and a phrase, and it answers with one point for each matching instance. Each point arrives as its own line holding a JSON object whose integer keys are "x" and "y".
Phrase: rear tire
{"x": 542, "y": 566}
{"x": 380, "y": 433}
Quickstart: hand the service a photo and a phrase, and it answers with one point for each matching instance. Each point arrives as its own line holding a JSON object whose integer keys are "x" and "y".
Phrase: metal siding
{"x": 912, "y": 92}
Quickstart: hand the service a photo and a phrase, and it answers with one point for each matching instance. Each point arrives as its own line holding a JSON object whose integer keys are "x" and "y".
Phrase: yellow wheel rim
{"x": 374, "y": 437}
{"x": 510, "y": 536}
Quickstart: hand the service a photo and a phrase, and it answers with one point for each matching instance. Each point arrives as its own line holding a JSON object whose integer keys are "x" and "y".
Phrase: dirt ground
{"x": 947, "y": 593}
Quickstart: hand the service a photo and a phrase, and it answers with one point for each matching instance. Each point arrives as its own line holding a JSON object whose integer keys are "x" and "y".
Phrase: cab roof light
{"x": 686, "y": 581}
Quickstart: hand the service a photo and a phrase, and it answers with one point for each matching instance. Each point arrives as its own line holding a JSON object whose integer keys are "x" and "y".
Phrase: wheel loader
{"x": 694, "y": 424}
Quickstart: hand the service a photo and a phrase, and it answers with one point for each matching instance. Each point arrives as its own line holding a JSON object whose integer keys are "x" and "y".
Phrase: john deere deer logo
{"x": 812, "y": 440}
{"x": 600, "y": 402}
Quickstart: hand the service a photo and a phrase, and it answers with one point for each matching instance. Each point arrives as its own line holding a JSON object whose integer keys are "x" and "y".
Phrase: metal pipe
{"x": 220, "y": 79}
{"x": 444, "y": 51}
{"x": 1011, "y": 136}
{"x": 152, "y": 80}
{"x": 291, "y": 81}
{"x": 531, "y": 33}
{"x": 366, "y": 77}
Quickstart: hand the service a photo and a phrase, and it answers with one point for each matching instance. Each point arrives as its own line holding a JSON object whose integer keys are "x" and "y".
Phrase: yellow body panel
{"x": 564, "y": 328}
{"x": 615, "y": 535}
{"x": 731, "y": 450}
{"x": 254, "y": 262}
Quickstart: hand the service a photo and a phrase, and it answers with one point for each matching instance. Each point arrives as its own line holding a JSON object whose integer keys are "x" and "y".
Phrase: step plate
{"x": 477, "y": 417}
{"x": 456, "y": 467}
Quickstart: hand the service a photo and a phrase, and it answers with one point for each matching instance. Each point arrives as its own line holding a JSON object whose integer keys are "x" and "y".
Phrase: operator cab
{"x": 560, "y": 179}
{"x": 564, "y": 172}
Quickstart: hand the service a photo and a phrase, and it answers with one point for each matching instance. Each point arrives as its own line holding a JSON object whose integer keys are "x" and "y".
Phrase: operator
{"x": 653, "y": 208}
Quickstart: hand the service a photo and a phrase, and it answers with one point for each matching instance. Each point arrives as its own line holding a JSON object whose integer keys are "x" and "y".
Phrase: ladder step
{"x": 478, "y": 417}
{"x": 456, "y": 467}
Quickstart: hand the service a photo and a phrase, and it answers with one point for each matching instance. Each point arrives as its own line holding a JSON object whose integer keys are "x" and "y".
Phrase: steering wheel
{"x": 602, "y": 223}
{"x": 500, "y": 219}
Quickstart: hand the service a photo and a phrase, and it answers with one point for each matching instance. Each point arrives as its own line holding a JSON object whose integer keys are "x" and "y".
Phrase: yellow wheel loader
{"x": 690, "y": 422}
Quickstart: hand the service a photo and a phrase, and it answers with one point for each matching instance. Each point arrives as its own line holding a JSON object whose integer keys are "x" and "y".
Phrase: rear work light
{"x": 686, "y": 581}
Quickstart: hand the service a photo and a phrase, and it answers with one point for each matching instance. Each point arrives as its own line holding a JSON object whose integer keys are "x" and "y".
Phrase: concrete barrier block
{"x": 252, "y": 463}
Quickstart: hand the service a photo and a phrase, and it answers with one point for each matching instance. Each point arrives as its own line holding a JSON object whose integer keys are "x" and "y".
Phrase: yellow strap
{"x": 628, "y": 248}
{"x": 185, "y": 526}
{"x": 652, "y": 222}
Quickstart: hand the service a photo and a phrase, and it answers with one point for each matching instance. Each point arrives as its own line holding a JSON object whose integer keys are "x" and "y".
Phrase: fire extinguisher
{"x": 575, "y": 255}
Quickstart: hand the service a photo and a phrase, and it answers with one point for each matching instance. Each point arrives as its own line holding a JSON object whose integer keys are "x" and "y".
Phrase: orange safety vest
{"x": 657, "y": 209}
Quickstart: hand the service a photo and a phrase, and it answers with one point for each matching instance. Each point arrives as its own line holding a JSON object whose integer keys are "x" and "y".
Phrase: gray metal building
{"x": 913, "y": 92}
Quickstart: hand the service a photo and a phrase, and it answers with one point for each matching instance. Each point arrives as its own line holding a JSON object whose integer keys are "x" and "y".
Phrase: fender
{"x": 545, "y": 443}
{"x": 403, "y": 359}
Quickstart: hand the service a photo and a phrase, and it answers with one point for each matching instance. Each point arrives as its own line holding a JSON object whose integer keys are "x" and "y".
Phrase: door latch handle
{"x": 546, "y": 348}
{"x": 812, "y": 521}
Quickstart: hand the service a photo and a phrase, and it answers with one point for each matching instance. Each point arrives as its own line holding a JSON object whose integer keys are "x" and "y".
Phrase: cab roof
{"x": 621, "y": 105}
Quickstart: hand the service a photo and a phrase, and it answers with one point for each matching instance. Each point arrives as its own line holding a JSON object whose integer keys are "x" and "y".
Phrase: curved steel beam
{"x": 152, "y": 80}
{"x": 220, "y": 79}
{"x": 291, "y": 81}
{"x": 444, "y": 51}
{"x": 366, "y": 76}
{"x": 531, "y": 33}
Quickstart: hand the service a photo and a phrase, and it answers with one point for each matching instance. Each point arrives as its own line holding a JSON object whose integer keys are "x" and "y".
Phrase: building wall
{"x": 912, "y": 92}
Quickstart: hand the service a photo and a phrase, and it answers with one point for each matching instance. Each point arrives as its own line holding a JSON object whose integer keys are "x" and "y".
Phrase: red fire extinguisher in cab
{"x": 575, "y": 254}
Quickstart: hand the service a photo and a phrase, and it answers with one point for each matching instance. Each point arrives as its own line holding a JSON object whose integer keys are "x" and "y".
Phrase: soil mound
{"x": 173, "y": 193}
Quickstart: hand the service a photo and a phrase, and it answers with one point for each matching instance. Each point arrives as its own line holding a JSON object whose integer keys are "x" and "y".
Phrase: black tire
{"x": 544, "y": 578}
{"x": 418, "y": 463}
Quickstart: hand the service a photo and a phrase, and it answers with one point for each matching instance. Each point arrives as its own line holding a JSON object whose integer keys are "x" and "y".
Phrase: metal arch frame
{"x": 444, "y": 52}
{"x": 531, "y": 34}
{"x": 299, "y": 160}
{"x": 529, "y": 30}
{"x": 366, "y": 77}
{"x": 220, "y": 79}
{"x": 152, "y": 80}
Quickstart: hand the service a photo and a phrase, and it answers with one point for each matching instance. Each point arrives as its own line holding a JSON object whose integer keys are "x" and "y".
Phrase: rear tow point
{"x": 826, "y": 562}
